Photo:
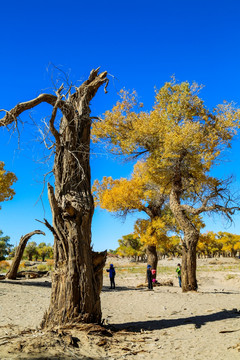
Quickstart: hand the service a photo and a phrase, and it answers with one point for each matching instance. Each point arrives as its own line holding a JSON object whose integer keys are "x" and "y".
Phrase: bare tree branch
{"x": 46, "y": 223}
{"x": 13, "y": 114}
{"x": 54, "y": 113}
{"x": 218, "y": 200}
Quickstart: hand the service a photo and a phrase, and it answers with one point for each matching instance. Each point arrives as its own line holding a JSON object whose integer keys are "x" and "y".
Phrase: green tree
{"x": 30, "y": 250}
{"x": 5, "y": 246}
{"x": 44, "y": 250}
{"x": 7, "y": 179}
{"x": 131, "y": 246}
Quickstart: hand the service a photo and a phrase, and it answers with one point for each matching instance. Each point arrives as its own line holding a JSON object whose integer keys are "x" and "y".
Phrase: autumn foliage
{"x": 181, "y": 141}
{"x": 7, "y": 179}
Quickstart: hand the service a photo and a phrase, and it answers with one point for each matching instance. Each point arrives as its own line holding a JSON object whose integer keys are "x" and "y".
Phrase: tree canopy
{"x": 5, "y": 246}
{"x": 7, "y": 179}
{"x": 181, "y": 141}
{"x": 137, "y": 194}
{"x": 179, "y": 128}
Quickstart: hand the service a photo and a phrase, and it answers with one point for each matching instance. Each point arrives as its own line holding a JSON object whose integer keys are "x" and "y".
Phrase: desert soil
{"x": 161, "y": 324}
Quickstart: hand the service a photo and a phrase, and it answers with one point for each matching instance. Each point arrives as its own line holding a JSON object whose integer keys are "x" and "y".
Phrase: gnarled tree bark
{"x": 216, "y": 199}
{"x": 76, "y": 280}
{"x": 12, "y": 272}
{"x": 153, "y": 210}
{"x": 152, "y": 258}
{"x": 190, "y": 240}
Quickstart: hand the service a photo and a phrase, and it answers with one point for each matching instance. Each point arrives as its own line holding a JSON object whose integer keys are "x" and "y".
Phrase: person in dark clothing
{"x": 149, "y": 277}
{"x": 112, "y": 274}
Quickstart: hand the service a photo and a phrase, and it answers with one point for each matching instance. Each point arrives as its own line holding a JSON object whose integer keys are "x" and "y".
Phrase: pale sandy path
{"x": 165, "y": 323}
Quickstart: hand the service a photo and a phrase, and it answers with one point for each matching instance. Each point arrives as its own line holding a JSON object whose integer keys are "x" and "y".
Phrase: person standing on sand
{"x": 178, "y": 271}
{"x": 112, "y": 274}
{"x": 149, "y": 277}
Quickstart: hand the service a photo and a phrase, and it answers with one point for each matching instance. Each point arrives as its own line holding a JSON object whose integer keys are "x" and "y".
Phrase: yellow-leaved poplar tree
{"x": 7, "y": 179}
{"x": 131, "y": 246}
{"x": 181, "y": 141}
{"x": 209, "y": 245}
{"x": 230, "y": 243}
{"x": 123, "y": 196}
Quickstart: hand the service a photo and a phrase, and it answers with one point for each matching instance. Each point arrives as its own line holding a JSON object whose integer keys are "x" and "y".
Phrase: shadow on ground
{"x": 198, "y": 321}
{"x": 60, "y": 357}
{"x": 122, "y": 288}
{"x": 28, "y": 283}
{"x": 229, "y": 292}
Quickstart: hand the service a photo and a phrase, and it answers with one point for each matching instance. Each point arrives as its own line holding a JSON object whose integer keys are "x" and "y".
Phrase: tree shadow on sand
{"x": 122, "y": 288}
{"x": 198, "y": 321}
{"x": 60, "y": 357}
{"x": 227, "y": 292}
{"x": 28, "y": 283}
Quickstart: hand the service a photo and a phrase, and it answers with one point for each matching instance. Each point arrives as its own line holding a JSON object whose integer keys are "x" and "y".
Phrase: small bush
{"x": 4, "y": 265}
{"x": 42, "y": 267}
{"x": 26, "y": 263}
{"x": 50, "y": 263}
{"x": 230, "y": 276}
{"x": 22, "y": 266}
{"x": 214, "y": 262}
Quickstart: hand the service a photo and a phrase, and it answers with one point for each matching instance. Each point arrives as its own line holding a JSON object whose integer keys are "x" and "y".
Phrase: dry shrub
{"x": 230, "y": 276}
{"x": 50, "y": 263}
{"x": 214, "y": 262}
{"x": 26, "y": 263}
{"x": 42, "y": 267}
{"x": 161, "y": 283}
{"x": 22, "y": 266}
{"x": 4, "y": 265}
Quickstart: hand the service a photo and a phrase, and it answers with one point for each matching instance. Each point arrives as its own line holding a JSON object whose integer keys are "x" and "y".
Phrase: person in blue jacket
{"x": 112, "y": 274}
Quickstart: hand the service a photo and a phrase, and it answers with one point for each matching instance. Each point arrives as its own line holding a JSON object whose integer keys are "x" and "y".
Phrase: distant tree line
{"x": 5, "y": 246}
{"x": 210, "y": 245}
{"x": 32, "y": 251}
{"x": 36, "y": 252}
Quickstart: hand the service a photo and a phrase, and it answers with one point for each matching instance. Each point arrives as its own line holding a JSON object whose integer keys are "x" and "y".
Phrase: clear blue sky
{"x": 140, "y": 43}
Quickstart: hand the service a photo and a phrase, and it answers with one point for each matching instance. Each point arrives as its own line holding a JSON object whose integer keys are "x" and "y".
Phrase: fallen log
{"x": 161, "y": 283}
{"x": 32, "y": 274}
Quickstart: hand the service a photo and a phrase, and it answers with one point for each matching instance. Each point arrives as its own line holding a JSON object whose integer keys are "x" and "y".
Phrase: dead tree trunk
{"x": 12, "y": 272}
{"x": 75, "y": 282}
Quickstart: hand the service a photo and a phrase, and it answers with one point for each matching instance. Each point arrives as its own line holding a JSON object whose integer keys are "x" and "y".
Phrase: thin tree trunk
{"x": 12, "y": 272}
{"x": 188, "y": 273}
{"x": 152, "y": 258}
{"x": 190, "y": 240}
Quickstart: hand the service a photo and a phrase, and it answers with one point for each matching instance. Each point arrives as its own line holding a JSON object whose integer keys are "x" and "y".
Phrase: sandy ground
{"x": 160, "y": 324}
